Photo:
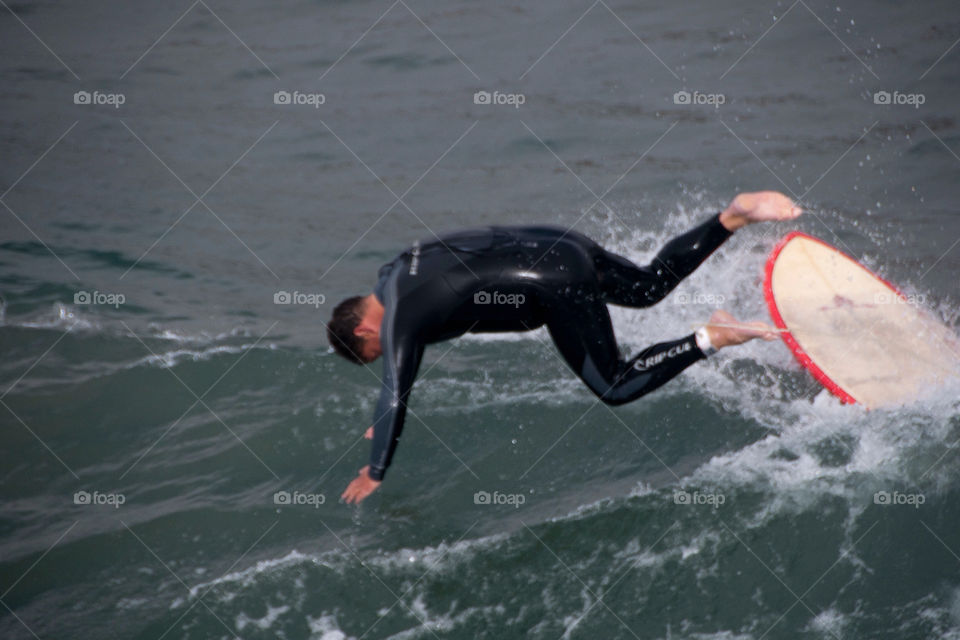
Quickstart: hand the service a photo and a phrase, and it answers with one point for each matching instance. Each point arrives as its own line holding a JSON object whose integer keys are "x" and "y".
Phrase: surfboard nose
{"x": 855, "y": 332}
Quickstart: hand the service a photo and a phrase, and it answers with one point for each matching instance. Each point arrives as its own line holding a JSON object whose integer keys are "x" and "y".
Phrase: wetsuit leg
{"x": 575, "y": 312}
{"x": 580, "y": 324}
{"x": 584, "y": 336}
{"x": 629, "y": 285}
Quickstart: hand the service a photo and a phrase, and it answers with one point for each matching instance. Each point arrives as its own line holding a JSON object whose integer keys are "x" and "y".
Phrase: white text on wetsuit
{"x": 652, "y": 361}
{"x": 415, "y": 258}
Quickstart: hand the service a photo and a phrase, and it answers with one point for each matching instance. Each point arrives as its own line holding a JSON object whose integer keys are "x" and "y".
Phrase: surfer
{"x": 522, "y": 278}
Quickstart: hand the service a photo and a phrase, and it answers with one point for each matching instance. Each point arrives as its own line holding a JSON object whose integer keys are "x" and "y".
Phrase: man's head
{"x": 354, "y": 329}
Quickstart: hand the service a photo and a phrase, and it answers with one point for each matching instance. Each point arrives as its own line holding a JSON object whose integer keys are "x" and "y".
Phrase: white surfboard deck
{"x": 856, "y": 333}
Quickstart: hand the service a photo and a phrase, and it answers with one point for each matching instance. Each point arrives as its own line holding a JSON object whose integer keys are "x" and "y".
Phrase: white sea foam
{"x": 62, "y": 316}
{"x": 175, "y": 335}
{"x": 242, "y": 620}
{"x": 829, "y": 623}
{"x": 434, "y": 558}
{"x": 716, "y": 635}
{"x": 173, "y": 358}
{"x": 325, "y": 627}
{"x": 196, "y": 347}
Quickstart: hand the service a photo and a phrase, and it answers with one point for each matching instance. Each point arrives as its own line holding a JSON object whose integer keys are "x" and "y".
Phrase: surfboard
{"x": 855, "y": 332}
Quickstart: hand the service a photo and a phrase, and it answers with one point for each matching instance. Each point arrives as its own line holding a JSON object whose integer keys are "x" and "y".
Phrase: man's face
{"x": 371, "y": 349}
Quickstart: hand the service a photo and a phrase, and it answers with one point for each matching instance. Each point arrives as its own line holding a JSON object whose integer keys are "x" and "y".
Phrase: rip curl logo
{"x": 646, "y": 363}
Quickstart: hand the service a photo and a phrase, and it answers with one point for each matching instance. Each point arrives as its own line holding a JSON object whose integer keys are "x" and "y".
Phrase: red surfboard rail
{"x": 802, "y": 356}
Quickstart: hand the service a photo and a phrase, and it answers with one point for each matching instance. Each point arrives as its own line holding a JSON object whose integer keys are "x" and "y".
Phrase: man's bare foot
{"x": 760, "y": 206}
{"x": 726, "y": 331}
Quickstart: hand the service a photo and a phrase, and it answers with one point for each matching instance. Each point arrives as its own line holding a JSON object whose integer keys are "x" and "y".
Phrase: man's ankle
{"x": 732, "y": 221}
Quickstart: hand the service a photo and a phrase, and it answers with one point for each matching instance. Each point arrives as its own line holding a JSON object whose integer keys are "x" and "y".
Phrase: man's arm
{"x": 402, "y": 353}
{"x": 400, "y": 364}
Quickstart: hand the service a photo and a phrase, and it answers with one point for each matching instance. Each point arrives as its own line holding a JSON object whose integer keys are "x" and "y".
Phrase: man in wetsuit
{"x": 519, "y": 279}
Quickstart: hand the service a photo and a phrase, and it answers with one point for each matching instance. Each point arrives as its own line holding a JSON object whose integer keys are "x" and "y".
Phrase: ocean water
{"x": 175, "y": 442}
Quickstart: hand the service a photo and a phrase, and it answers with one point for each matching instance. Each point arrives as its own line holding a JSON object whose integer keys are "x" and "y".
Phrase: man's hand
{"x": 726, "y": 331}
{"x": 362, "y": 486}
{"x": 368, "y": 434}
{"x": 760, "y": 206}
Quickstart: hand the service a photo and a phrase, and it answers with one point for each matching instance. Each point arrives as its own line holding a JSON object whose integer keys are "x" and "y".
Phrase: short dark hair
{"x": 346, "y": 316}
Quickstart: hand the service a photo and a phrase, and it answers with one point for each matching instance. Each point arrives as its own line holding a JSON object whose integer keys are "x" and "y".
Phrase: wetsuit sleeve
{"x": 402, "y": 352}
{"x": 400, "y": 366}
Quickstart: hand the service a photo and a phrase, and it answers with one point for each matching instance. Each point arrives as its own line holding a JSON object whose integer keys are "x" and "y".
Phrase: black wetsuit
{"x": 518, "y": 279}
